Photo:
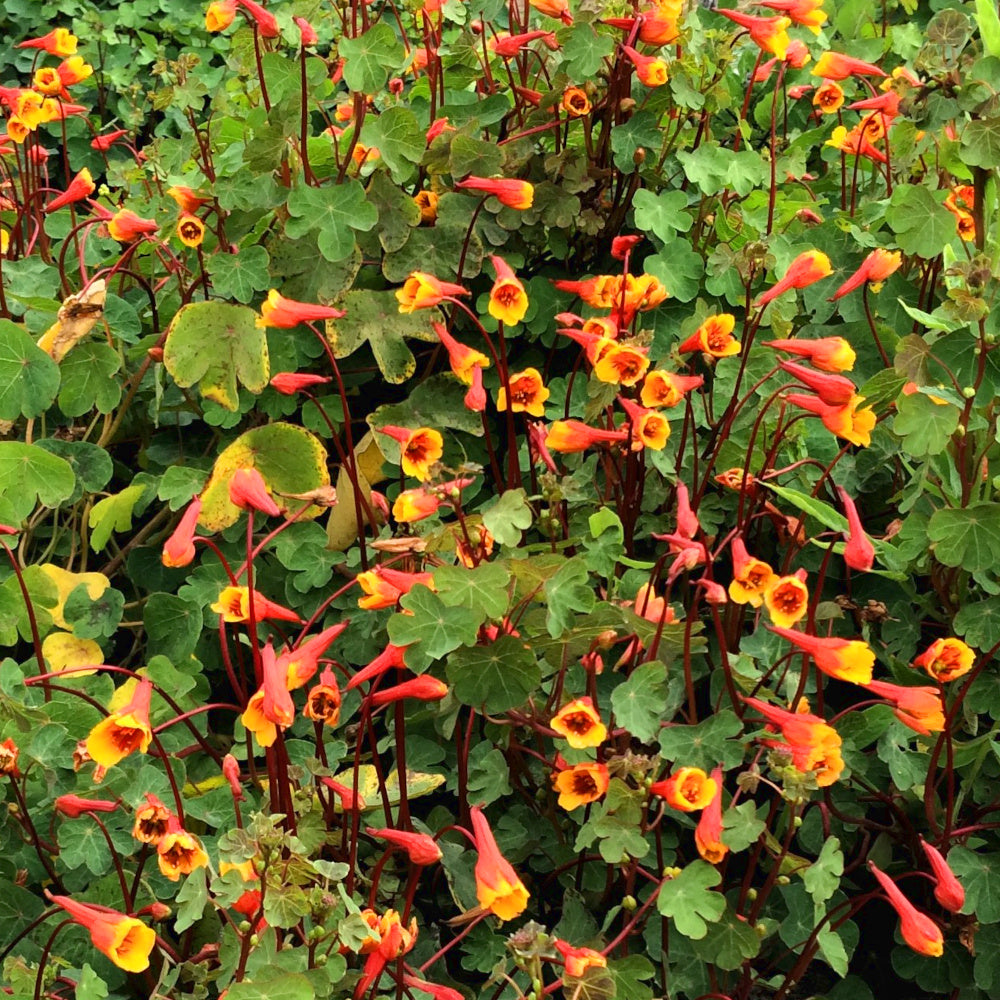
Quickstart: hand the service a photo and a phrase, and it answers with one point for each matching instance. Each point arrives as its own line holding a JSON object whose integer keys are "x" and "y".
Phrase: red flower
{"x": 301, "y": 663}
{"x": 421, "y": 849}
{"x": 178, "y": 549}
{"x": 846, "y": 659}
{"x": 79, "y": 188}
{"x": 568, "y": 436}
{"x": 265, "y": 22}
{"x": 512, "y": 193}
{"x": 920, "y": 708}
{"x": 248, "y": 491}
{"x": 834, "y": 390}
{"x": 75, "y": 806}
{"x": 434, "y": 989}
{"x": 103, "y": 143}
{"x": 829, "y": 354}
{"x": 126, "y": 227}
{"x": 58, "y": 42}
{"x": 859, "y": 553}
{"x": 307, "y": 33}
{"x": 948, "y": 891}
{"x": 708, "y": 832}
{"x": 391, "y": 656}
{"x": 498, "y": 887}
{"x": 287, "y": 313}
{"x": 770, "y": 33}
{"x": 918, "y": 930}
{"x": 877, "y": 266}
{"x": 836, "y": 66}
{"x": 289, "y": 383}
{"x": 805, "y": 270}
{"x": 423, "y": 688}
{"x": 125, "y": 940}
{"x": 348, "y": 800}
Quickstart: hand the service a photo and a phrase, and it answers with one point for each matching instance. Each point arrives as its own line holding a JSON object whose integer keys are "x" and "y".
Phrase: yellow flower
{"x": 527, "y": 393}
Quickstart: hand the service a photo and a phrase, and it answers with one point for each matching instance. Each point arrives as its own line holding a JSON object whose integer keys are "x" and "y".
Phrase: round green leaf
{"x": 29, "y": 378}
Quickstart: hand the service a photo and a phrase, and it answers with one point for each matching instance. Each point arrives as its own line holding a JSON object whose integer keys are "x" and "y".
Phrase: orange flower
{"x": 846, "y": 659}
{"x": 301, "y": 663}
{"x": 787, "y": 600}
{"x": 527, "y": 393}
{"x": 946, "y": 659}
{"x": 384, "y": 586}
{"x": 846, "y": 421}
{"x": 323, "y": 700}
{"x": 708, "y": 832}
{"x": 190, "y": 230}
{"x": 263, "y": 19}
{"x": 580, "y": 784}
{"x": 829, "y": 97}
{"x": 649, "y": 428}
{"x": 73, "y": 70}
{"x": 234, "y": 606}
{"x": 687, "y": 789}
{"x": 512, "y": 193}
{"x": 151, "y": 821}
{"x": 568, "y": 436}
{"x": 418, "y": 450}
{"x": 770, "y": 33}
{"x": 578, "y": 960}
{"x": 948, "y": 891}
{"x": 178, "y": 549}
{"x": 289, "y": 383}
{"x": 808, "y": 13}
{"x": 285, "y": 314}
{"x": 427, "y": 202}
{"x": 179, "y": 852}
{"x": 75, "y": 806}
{"x": 187, "y": 200}
{"x": 805, "y": 270}
{"x": 126, "y": 227}
{"x": 622, "y": 364}
{"x": 876, "y": 267}
{"x": 836, "y": 66}
{"x": 414, "y": 505}
{"x": 436, "y": 990}
{"x": 553, "y": 8}
{"x": 575, "y": 102}
{"x": 498, "y": 888}
{"x": 579, "y": 723}
{"x": 220, "y": 15}
{"x": 752, "y": 578}
{"x": 125, "y": 940}
{"x": 714, "y": 337}
{"x": 652, "y": 72}
{"x": 508, "y": 299}
{"x": 657, "y": 24}
{"x": 79, "y": 188}
{"x": 917, "y": 929}
{"x": 859, "y": 553}
{"x": 270, "y": 707}
{"x": 423, "y": 291}
{"x": 829, "y": 354}
{"x": 248, "y": 491}
{"x": 966, "y": 226}
{"x": 9, "y": 752}
{"x": 834, "y": 390}
{"x": 124, "y": 730}
{"x": 423, "y": 688}
{"x": 920, "y": 708}
{"x": 800, "y": 729}
{"x": 663, "y": 388}
{"x": 420, "y": 848}
{"x": 463, "y": 360}
{"x": 855, "y": 142}
{"x": 58, "y": 42}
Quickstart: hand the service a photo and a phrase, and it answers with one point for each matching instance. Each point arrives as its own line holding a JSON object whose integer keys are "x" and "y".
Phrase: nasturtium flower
{"x": 946, "y": 659}
{"x": 187, "y": 201}
{"x": 553, "y": 8}
{"x": 421, "y": 848}
{"x": 462, "y": 359}
{"x": 569, "y": 436}
{"x": 650, "y": 429}
{"x": 948, "y": 891}
{"x": 875, "y": 268}
{"x": 667, "y": 389}
{"x": 829, "y": 97}
{"x": 123, "y": 731}
{"x": 248, "y": 491}
{"x": 289, "y": 383}
{"x": 787, "y": 600}
{"x": 580, "y": 724}
{"x": 427, "y": 203}
{"x": 73, "y": 70}
{"x": 422, "y": 688}
{"x": 859, "y": 553}
{"x": 580, "y": 784}
{"x": 918, "y": 930}
{"x": 277, "y": 311}
{"x": 301, "y": 663}
{"x": 845, "y": 659}
{"x": 498, "y": 887}
{"x": 151, "y": 820}
{"x": 687, "y": 789}
{"x": 418, "y": 449}
{"x": 127, "y": 941}
{"x": 708, "y": 832}
{"x": 713, "y": 337}
{"x": 234, "y": 606}
{"x": 512, "y": 193}
{"x": 58, "y": 42}
{"x": 423, "y": 291}
{"x": 178, "y": 549}
{"x": 384, "y": 586}
{"x": 850, "y": 421}
{"x": 837, "y": 66}
{"x": 651, "y": 71}
{"x": 220, "y": 15}
{"x": 769, "y": 33}
{"x": 179, "y": 852}
{"x": 190, "y": 230}
{"x": 920, "y": 708}
{"x": 127, "y": 227}
{"x": 575, "y": 102}
{"x": 75, "y": 806}
{"x": 622, "y": 364}
{"x": 808, "y": 268}
{"x": 323, "y": 700}
{"x": 577, "y": 959}
{"x": 47, "y": 81}
{"x": 527, "y": 393}
{"x": 752, "y": 578}
{"x": 508, "y": 299}
{"x": 808, "y": 13}
{"x": 855, "y": 142}
{"x": 828, "y": 354}
{"x": 657, "y": 23}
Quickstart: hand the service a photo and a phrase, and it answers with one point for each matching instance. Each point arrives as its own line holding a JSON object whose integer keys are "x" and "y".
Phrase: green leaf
{"x": 287, "y": 986}
{"x": 615, "y": 824}
{"x": 987, "y": 968}
{"x": 397, "y": 211}
{"x": 741, "y": 826}
{"x": 705, "y": 745}
{"x": 494, "y": 678}
{"x": 604, "y": 542}
{"x": 94, "y": 618}
{"x": 240, "y": 275}
{"x": 978, "y": 623}
{"x": 629, "y": 975}
{"x": 979, "y": 873}
{"x": 989, "y": 31}
{"x": 28, "y": 472}
{"x": 822, "y": 877}
{"x": 437, "y": 249}
{"x": 88, "y": 380}
{"x": 469, "y": 155}
{"x": 433, "y": 628}
{"x": 583, "y": 50}
{"x": 508, "y": 517}
{"x": 662, "y": 214}
{"x": 488, "y": 773}
{"x": 113, "y": 513}
{"x": 399, "y": 140}
{"x": 679, "y": 267}
{"x": 715, "y": 168}
{"x": 823, "y": 512}
{"x": 966, "y": 536}
{"x": 638, "y": 702}
{"x": 191, "y": 901}
{"x": 568, "y": 594}
{"x": 91, "y": 465}
{"x": 482, "y": 589}
{"x": 921, "y": 223}
{"x": 29, "y": 378}
{"x": 925, "y": 426}
{"x": 179, "y": 483}
{"x": 334, "y": 213}
{"x": 285, "y": 905}
{"x": 370, "y": 57}
{"x": 173, "y": 626}
{"x": 728, "y": 943}
{"x": 215, "y": 344}
{"x": 981, "y": 142}
{"x": 90, "y": 985}
{"x": 688, "y": 899}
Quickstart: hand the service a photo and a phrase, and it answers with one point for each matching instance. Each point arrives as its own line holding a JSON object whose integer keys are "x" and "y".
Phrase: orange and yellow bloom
{"x": 876, "y": 267}
{"x": 769, "y": 33}
{"x": 808, "y": 268}
{"x": 423, "y": 291}
{"x": 498, "y": 887}
{"x": 946, "y": 659}
{"x": 714, "y": 337}
{"x": 920, "y": 708}
{"x": 527, "y": 393}
{"x": 580, "y": 724}
{"x": 787, "y": 600}
{"x": 752, "y": 578}
{"x": 622, "y": 364}
{"x": 667, "y": 389}
{"x": 179, "y": 852}
{"x": 285, "y": 314}
{"x": 580, "y": 784}
{"x": 124, "y": 730}
{"x": 234, "y": 606}
{"x": 418, "y": 449}
{"x": 512, "y": 193}
{"x": 837, "y": 66}
{"x": 508, "y": 299}
{"x": 125, "y": 940}
{"x": 828, "y": 354}
{"x": 918, "y": 930}
{"x": 687, "y": 789}
{"x": 323, "y": 700}
{"x": 845, "y": 659}
{"x": 569, "y": 436}
{"x": 708, "y": 832}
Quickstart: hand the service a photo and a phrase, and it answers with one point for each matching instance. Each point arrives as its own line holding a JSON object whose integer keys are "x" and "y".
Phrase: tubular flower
{"x": 828, "y": 354}
{"x": 805, "y": 270}
{"x": 876, "y": 267}
{"x": 80, "y": 187}
{"x": 946, "y": 659}
{"x": 752, "y": 578}
{"x": 663, "y": 388}
{"x": 58, "y": 42}
{"x": 47, "y": 81}
{"x": 601, "y": 291}
{"x": 463, "y": 360}
{"x": 301, "y": 663}
{"x": 384, "y": 586}
{"x": 578, "y": 960}
{"x": 687, "y": 789}
{"x": 178, "y": 549}
{"x": 652, "y": 72}
{"x": 391, "y": 656}
{"x": 579, "y": 724}
{"x": 126, "y": 227}
{"x": 323, "y": 700}
{"x": 104, "y": 142}
{"x": 846, "y": 659}
{"x": 800, "y": 729}
{"x": 649, "y": 428}
{"x": 647, "y": 605}
{"x": 414, "y": 505}
{"x": 187, "y": 200}
{"x": 836, "y": 66}
{"x": 554, "y": 8}
{"x": 580, "y": 784}
{"x": 151, "y": 821}
{"x": 248, "y": 491}
{"x": 234, "y": 606}
{"x": 125, "y": 940}
{"x": 418, "y": 450}
{"x": 569, "y": 436}
{"x": 190, "y": 230}
{"x": 808, "y": 13}
{"x": 285, "y": 314}
{"x": 657, "y": 23}
{"x": 270, "y": 706}
{"x": 787, "y": 600}
{"x": 289, "y": 383}
{"x": 622, "y": 364}
{"x": 511, "y": 45}
{"x": 179, "y": 852}
{"x": 595, "y": 345}
{"x": 708, "y": 832}
{"x": 436, "y": 990}
{"x": 422, "y": 291}
{"x": 74, "y": 806}
{"x": 834, "y": 390}
{"x": 527, "y": 393}
{"x": 124, "y": 730}
{"x": 846, "y": 421}
{"x": 855, "y": 142}
{"x": 714, "y": 337}
{"x": 262, "y": 19}
{"x": 917, "y": 929}
{"x": 73, "y": 70}
{"x": 498, "y": 887}
{"x": 920, "y": 708}
{"x": 859, "y": 553}
{"x": 512, "y": 193}
{"x": 420, "y": 848}
{"x": 220, "y": 15}
{"x": 508, "y": 299}
{"x": 348, "y": 800}
{"x": 769, "y": 33}
{"x": 423, "y": 688}
{"x": 575, "y": 102}
{"x": 948, "y": 891}
{"x": 829, "y": 97}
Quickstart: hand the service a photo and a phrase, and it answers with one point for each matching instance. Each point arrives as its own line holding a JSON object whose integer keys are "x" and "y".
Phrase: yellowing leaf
{"x": 64, "y": 651}
{"x": 417, "y": 784}
{"x": 77, "y": 317}
{"x": 66, "y": 582}
{"x": 342, "y": 525}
